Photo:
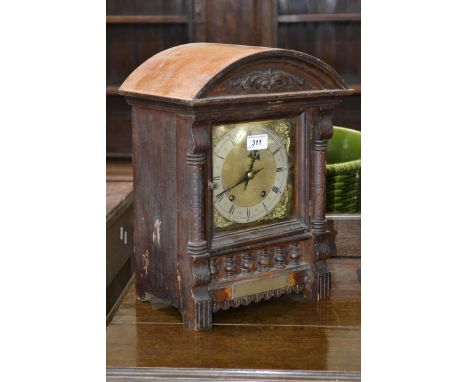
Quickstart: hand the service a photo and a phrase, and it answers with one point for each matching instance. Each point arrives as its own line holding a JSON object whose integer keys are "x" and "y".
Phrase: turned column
{"x": 321, "y": 132}
{"x": 199, "y": 312}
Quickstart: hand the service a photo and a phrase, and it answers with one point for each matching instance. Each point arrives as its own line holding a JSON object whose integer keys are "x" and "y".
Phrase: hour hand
{"x": 254, "y": 155}
{"x": 250, "y": 175}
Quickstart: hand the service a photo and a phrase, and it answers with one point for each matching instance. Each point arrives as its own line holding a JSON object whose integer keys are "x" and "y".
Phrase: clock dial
{"x": 250, "y": 172}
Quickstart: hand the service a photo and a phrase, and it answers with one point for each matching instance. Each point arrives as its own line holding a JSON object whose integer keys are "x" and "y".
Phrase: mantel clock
{"x": 229, "y": 152}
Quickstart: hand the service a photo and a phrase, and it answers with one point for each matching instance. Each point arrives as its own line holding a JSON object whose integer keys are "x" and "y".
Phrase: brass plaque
{"x": 252, "y": 287}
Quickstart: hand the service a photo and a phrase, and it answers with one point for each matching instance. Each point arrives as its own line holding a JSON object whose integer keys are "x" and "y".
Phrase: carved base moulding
{"x": 245, "y": 277}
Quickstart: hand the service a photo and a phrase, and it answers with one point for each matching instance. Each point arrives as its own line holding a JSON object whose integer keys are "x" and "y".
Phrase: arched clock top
{"x": 206, "y": 70}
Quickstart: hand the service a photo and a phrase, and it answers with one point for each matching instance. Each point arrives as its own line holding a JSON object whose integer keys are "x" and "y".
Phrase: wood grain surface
{"x": 119, "y": 170}
{"x": 116, "y": 194}
{"x": 285, "y": 333}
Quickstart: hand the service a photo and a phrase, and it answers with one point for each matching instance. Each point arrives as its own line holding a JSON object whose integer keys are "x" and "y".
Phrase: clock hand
{"x": 244, "y": 177}
{"x": 235, "y": 185}
{"x": 254, "y": 156}
{"x": 256, "y": 171}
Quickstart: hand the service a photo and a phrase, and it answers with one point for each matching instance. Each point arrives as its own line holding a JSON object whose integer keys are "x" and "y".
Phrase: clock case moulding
{"x": 176, "y": 97}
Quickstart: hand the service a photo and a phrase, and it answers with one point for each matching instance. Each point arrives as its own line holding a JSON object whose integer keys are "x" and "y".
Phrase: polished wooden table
{"x": 284, "y": 338}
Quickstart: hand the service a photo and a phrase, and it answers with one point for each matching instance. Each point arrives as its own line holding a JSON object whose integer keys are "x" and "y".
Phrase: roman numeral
{"x": 274, "y": 152}
{"x": 231, "y": 210}
{"x": 265, "y": 207}
{"x": 275, "y": 189}
{"x": 219, "y": 156}
{"x": 217, "y": 177}
{"x": 248, "y": 214}
{"x": 232, "y": 140}
{"x": 279, "y": 169}
{"x": 219, "y": 197}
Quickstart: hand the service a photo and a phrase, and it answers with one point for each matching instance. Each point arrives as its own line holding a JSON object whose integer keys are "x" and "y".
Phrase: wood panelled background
{"x": 138, "y": 29}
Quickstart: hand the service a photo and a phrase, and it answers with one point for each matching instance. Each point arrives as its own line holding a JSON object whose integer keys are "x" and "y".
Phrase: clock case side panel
{"x": 321, "y": 120}
{"x": 160, "y": 141}
{"x": 294, "y": 227}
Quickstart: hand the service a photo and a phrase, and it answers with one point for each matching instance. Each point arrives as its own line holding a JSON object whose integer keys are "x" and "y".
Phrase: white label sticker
{"x": 257, "y": 142}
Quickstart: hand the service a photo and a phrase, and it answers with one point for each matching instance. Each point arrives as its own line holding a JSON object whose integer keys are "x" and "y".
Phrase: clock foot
{"x": 318, "y": 285}
{"x": 199, "y": 315}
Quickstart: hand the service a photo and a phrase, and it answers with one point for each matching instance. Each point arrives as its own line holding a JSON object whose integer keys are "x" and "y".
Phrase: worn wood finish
{"x": 119, "y": 239}
{"x": 175, "y": 244}
{"x": 254, "y": 337}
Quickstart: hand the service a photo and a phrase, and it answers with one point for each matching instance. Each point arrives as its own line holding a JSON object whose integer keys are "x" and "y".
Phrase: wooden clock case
{"x": 176, "y": 98}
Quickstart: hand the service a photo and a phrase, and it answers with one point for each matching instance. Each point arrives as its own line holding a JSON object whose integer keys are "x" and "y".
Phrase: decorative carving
{"x": 229, "y": 266}
{"x": 279, "y": 257}
{"x": 268, "y": 79}
{"x": 293, "y": 252}
{"x": 322, "y": 245}
{"x": 263, "y": 261}
{"x": 247, "y": 263}
{"x": 200, "y": 269}
{"x": 324, "y": 125}
{"x": 245, "y": 300}
{"x": 214, "y": 267}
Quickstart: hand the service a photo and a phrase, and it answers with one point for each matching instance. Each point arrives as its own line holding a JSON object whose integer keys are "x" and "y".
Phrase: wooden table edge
{"x": 148, "y": 374}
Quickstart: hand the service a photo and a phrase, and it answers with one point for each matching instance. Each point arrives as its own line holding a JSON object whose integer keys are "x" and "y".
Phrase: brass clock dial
{"x": 250, "y": 172}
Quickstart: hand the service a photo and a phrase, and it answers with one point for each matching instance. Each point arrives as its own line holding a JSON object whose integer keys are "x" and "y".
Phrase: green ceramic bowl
{"x": 344, "y": 171}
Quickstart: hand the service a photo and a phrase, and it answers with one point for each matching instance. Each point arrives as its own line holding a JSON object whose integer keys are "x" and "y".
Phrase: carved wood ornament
{"x": 268, "y": 80}
{"x": 194, "y": 265}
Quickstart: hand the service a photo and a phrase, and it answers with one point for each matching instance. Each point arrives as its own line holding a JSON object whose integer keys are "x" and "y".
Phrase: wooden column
{"x": 322, "y": 130}
{"x": 199, "y": 312}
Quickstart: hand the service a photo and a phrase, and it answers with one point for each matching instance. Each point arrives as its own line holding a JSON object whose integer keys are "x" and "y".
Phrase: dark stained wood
{"x": 292, "y": 7}
{"x": 328, "y": 41}
{"x": 147, "y": 19}
{"x": 118, "y": 128}
{"x": 119, "y": 239}
{"x": 112, "y": 90}
{"x": 318, "y": 347}
{"x": 319, "y": 17}
{"x": 284, "y": 333}
{"x": 174, "y": 240}
{"x": 145, "y": 7}
{"x": 219, "y": 21}
{"x": 333, "y": 40}
{"x": 128, "y": 45}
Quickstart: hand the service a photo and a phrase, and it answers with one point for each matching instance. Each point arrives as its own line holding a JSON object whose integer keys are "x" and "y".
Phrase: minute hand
{"x": 239, "y": 182}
